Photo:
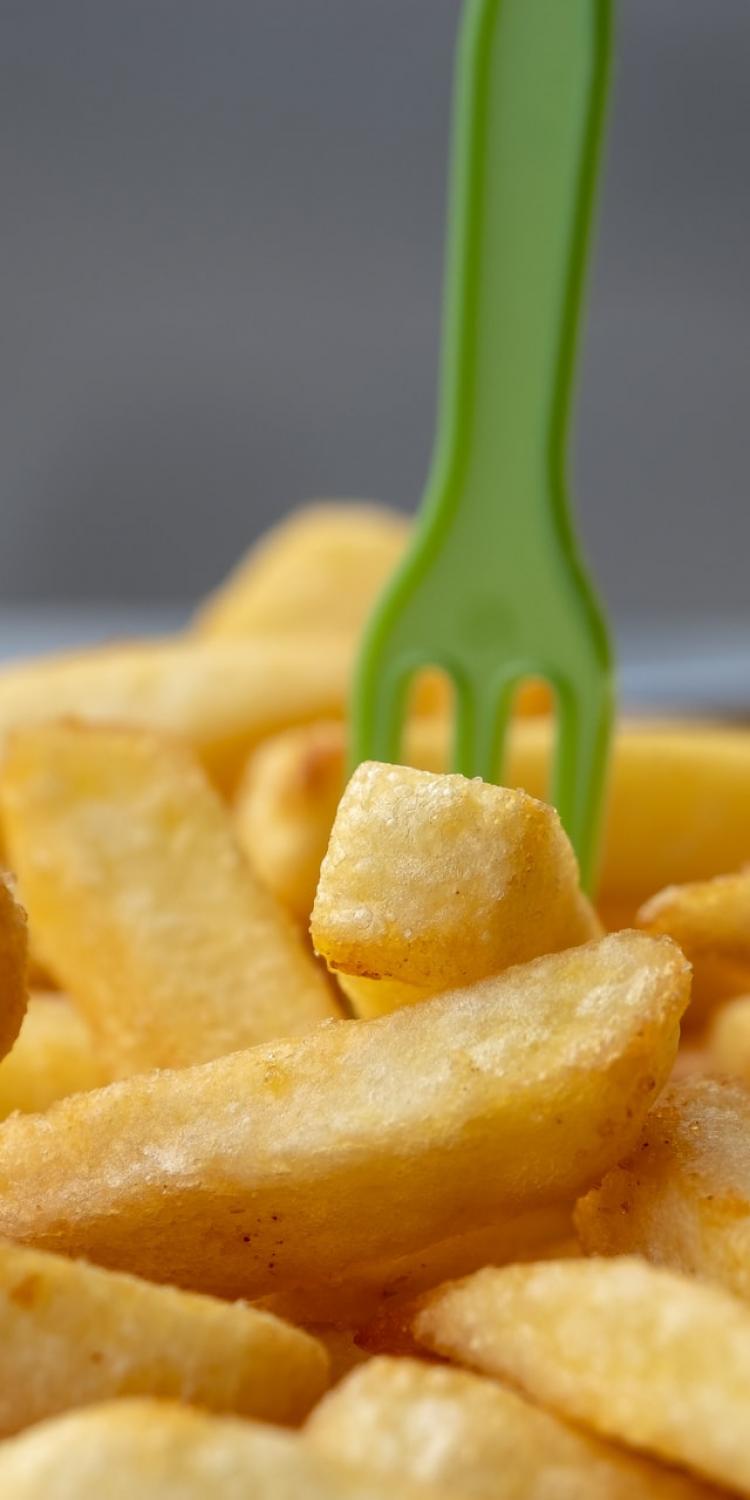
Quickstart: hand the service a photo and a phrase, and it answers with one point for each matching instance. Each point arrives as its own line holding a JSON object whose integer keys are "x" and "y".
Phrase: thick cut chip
{"x": 13, "y": 966}
{"x": 644, "y": 1356}
{"x": 682, "y": 1198}
{"x": 679, "y": 803}
{"x": 142, "y": 904}
{"x": 408, "y": 1419}
{"x": 322, "y": 568}
{"x": 436, "y": 881}
{"x": 369, "y": 1289}
{"x": 72, "y": 1334}
{"x": 361, "y": 1141}
{"x": 223, "y": 697}
{"x": 53, "y": 1056}
{"x": 153, "y": 1450}
{"x": 729, "y": 1039}
{"x": 710, "y": 920}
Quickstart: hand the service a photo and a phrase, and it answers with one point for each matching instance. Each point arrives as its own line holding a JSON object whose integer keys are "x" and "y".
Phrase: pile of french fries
{"x": 348, "y": 1151}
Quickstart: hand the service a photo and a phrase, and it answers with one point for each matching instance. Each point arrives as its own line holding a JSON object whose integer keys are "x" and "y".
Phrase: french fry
{"x": 53, "y": 1056}
{"x": 393, "y": 904}
{"x": 13, "y": 966}
{"x": 72, "y": 1334}
{"x": 285, "y": 807}
{"x": 368, "y": 1289}
{"x": 679, "y": 803}
{"x": 407, "y": 1419}
{"x": 322, "y": 568}
{"x": 142, "y": 904}
{"x": 682, "y": 1199}
{"x": 710, "y": 920}
{"x": 644, "y": 1356}
{"x": 222, "y": 696}
{"x": 159, "y": 1451}
{"x": 729, "y": 1039}
{"x": 295, "y": 1161}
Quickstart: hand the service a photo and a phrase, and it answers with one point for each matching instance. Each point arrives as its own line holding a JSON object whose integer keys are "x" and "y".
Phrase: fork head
{"x": 487, "y": 626}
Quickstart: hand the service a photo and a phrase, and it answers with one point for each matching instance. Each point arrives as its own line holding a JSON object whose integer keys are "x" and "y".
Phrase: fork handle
{"x": 531, "y": 89}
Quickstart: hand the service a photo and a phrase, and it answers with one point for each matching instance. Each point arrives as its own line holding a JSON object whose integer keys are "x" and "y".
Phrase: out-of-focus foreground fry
{"x": 158, "y": 1451}
{"x": 53, "y": 1056}
{"x": 141, "y": 903}
{"x": 321, "y": 569}
{"x": 222, "y": 696}
{"x": 408, "y": 1419}
{"x": 360, "y": 1296}
{"x": 360, "y": 1141}
{"x": 72, "y": 1334}
{"x": 710, "y": 920}
{"x": 13, "y": 966}
{"x": 679, "y": 803}
{"x": 644, "y": 1356}
{"x": 682, "y": 1198}
{"x": 438, "y": 881}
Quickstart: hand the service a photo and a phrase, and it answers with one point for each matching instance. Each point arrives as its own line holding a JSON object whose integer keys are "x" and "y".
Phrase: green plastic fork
{"x": 492, "y": 590}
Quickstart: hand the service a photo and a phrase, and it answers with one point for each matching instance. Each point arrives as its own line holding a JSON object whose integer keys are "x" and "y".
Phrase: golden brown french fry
{"x": 361, "y": 1140}
{"x": 682, "y": 1198}
{"x": 322, "y": 568}
{"x": 222, "y": 696}
{"x": 391, "y": 905}
{"x": 710, "y": 920}
{"x": 71, "y": 1334}
{"x": 366, "y": 1290}
{"x": 154, "y": 1450}
{"x": 143, "y": 906}
{"x": 13, "y": 965}
{"x": 729, "y": 1039}
{"x": 285, "y": 807}
{"x": 53, "y": 1056}
{"x": 407, "y": 1419}
{"x": 647, "y": 1357}
{"x": 679, "y": 803}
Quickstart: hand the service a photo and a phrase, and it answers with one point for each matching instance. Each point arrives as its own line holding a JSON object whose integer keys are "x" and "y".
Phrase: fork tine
{"x": 379, "y": 699}
{"x": 482, "y": 714}
{"x": 584, "y": 722}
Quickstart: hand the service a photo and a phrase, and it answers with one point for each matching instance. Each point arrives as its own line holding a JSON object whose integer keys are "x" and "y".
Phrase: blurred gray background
{"x": 221, "y": 263}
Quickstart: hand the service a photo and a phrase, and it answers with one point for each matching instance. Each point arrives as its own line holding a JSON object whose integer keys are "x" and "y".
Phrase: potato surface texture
{"x": 470, "y": 1436}
{"x": 72, "y": 1334}
{"x": 359, "y": 1296}
{"x": 437, "y": 881}
{"x": 682, "y": 1199}
{"x": 644, "y": 1356}
{"x": 152, "y": 1450}
{"x": 362, "y": 1140}
{"x": 143, "y": 905}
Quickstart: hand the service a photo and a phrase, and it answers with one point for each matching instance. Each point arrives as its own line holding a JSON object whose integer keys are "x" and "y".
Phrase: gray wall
{"x": 221, "y": 248}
